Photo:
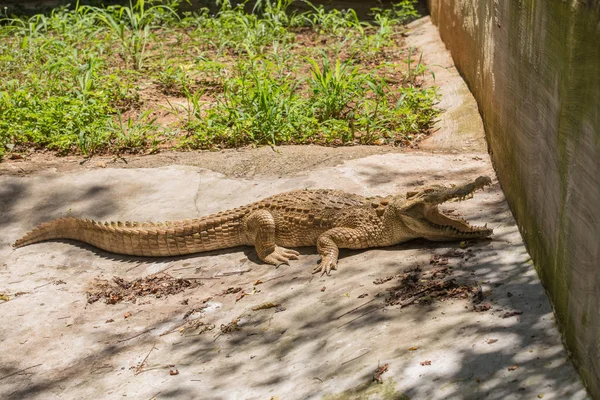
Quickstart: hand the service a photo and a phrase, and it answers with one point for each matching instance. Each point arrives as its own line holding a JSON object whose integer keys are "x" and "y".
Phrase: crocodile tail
{"x": 56, "y": 229}
{"x": 142, "y": 239}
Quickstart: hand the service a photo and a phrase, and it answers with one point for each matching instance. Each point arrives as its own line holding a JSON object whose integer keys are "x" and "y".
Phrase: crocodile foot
{"x": 326, "y": 265}
{"x": 281, "y": 255}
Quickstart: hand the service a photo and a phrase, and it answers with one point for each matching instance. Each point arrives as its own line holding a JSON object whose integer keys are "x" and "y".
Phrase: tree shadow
{"x": 375, "y": 174}
{"x": 483, "y": 373}
{"x": 20, "y": 203}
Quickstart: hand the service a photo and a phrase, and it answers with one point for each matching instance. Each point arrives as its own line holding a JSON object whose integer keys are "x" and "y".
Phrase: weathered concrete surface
{"x": 310, "y": 350}
{"x": 459, "y": 127}
{"x": 534, "y": 69}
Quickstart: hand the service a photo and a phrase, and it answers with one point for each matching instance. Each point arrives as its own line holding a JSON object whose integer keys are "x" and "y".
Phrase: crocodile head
{"x": 419, "y": 212}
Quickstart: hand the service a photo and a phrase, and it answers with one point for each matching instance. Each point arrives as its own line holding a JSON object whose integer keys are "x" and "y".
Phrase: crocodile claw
{"x": 281, "y": 255}
{"x": 326, "y": 265}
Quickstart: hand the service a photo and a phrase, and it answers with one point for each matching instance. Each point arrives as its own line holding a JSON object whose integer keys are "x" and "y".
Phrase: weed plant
{"x": 145, "y": 76}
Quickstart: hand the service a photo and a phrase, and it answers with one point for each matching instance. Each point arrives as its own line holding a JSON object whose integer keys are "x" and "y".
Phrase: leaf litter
{"x": 419, "y": 287}
{"x": 120, "y": 289}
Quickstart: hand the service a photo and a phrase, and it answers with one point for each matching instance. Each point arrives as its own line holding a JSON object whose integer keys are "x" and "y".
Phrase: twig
{"x": 163, "y": 270}
{"x": 135, "y": 266}
{"x": 277, "y": 277}
{"x": 416, "y": 295}
{"x": 356, "y": 358}
{"x": 151, "y": 369}
{"x": 380, "y": 371}
{"x": 354, "y": 309}
{"x": 19, "y": 371}
{"x": 99, "y": 368}
{"x": 268, "y": 280}
{"x": 241, "y": 272}
{"x": 45, "y": 284}
{"x": 139, "y": 368}
{"x": 174, "y": 329}
{"x": 133, "y": 337}
{"x": 179, "y": 326}
{"x": 433, "y": 286}
{"x": 218, "y": 335}
{"x": 362, "y": 315}
{"x": 199, "y": 278}
{"x": 181, "y": 269}
{"x": 408, "y": 301}
{"x": 153, "y": 397}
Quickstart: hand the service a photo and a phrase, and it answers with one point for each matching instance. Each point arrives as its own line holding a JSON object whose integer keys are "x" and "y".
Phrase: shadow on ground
{"x": 328, "y": 340}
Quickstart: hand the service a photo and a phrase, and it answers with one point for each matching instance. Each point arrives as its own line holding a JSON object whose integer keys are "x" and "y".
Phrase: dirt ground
{"x": 82, "y": 323}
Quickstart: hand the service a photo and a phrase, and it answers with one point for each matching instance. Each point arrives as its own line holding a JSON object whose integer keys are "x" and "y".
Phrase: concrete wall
{"x": 534, "y": 68}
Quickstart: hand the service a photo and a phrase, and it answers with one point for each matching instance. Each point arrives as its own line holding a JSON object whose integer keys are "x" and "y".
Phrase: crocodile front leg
{"x": 260, "y": 230}
{"x": 329, "y": 243}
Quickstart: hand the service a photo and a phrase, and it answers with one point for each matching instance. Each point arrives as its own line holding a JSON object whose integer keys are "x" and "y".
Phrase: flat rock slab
{"x": 325, "y": 340}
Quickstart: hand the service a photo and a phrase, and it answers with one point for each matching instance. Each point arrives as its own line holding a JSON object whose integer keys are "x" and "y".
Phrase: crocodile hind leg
{"x": 329, "y": 244}
{"x": 260, "y": 229}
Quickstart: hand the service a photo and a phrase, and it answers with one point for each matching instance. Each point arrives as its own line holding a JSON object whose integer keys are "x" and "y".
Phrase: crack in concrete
{"x": 197, "y": 194}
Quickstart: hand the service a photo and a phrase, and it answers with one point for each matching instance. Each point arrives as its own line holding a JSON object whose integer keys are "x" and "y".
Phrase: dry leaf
{"x": 381, "y": 281}
{"x": 231, "y": 290}
{"x": 240, "y": 296}
{"x": 230, "y": 327}
{"x": 323, "y": 289}
{"x": 513, "y": 367}
{"x": 482, "y": 307}
{"x": 427, "y": 362}
{"x": 173, "y": 372}
{"x": 127, "y": 315}
{"x": 258, "y": 282}
{"x": 509, "y": 314}
{"x": 490, "y": 341}
{"x": 380, "y": 371}
{"x": 413, "y": 348}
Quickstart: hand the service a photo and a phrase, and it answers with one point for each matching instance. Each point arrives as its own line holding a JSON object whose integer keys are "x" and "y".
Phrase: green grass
{"x": 145, "y": 77}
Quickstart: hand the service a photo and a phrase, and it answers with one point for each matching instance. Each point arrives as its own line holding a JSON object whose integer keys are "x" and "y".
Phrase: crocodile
{"x": 329, "y": 219}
